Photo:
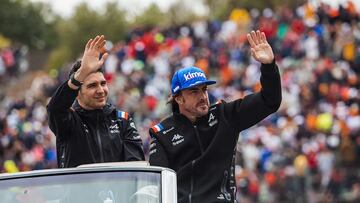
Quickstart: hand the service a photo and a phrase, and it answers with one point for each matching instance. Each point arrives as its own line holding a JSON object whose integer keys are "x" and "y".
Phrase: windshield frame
{"x": 165, "y": 174}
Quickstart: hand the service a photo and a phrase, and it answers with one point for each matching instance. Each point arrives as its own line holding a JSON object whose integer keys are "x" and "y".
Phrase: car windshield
{"x": 99, "y": 187}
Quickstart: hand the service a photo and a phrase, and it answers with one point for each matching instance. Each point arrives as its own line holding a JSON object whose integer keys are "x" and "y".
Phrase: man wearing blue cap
{"x": 198, "y": 140}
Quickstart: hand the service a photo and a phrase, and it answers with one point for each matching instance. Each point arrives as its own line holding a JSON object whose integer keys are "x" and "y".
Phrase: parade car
{"x": 133, "y": 182}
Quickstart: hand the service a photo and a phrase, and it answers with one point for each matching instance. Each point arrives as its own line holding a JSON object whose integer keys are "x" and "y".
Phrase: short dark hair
{"x": 75, "y": 67}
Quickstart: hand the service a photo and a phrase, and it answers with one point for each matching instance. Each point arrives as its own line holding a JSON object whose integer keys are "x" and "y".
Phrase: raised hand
{"x": 90, "y": 61}
{"x": 260, "y": 48}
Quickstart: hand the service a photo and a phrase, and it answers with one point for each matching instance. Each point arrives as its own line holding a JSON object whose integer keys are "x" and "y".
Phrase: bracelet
{"x": 74, "y": 81}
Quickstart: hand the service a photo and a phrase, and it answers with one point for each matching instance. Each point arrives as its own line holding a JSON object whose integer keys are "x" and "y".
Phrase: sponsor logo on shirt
{"x": 152, "y": 152}
{"x": 212, "y": 120}
{"x": 221, "y": 196}
{"x": 132, "y": 124}
{"x": 177, "y": 139}
{"x": 152, "y": 145}
{"x": 168, "y": 130}
{"x": 213, "y": 108}
{"x": 136, "y": 137}
{"x": 226, "y": 197}
{"x": 114, "y": 128}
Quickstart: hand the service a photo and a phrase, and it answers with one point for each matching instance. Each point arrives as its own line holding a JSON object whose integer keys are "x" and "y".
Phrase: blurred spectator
{"x": 309, "y": 151}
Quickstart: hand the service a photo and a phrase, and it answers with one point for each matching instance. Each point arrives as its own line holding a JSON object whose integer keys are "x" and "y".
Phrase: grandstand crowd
{"x": 309, "y": 150}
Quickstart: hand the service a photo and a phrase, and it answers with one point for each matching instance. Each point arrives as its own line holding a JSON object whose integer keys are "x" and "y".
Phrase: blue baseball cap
{"x": 188, "y": 77}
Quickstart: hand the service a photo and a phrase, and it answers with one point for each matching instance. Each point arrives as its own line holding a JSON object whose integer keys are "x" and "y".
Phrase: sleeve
{"x": 133, "y": 148}
{"x": 246, "y": 112}
{"x": 59, "y": 112}
{"x": 157, "y": 154}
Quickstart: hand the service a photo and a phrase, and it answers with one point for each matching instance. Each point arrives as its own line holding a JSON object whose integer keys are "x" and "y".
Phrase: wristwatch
{"x": 74, "y": 81}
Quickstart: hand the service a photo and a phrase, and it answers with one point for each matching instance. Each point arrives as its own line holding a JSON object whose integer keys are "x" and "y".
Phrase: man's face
{"x": 93, "y": 92}
{"x": 194, "y": 101}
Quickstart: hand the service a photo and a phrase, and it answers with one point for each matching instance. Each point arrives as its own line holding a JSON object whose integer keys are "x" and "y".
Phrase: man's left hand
{"x": 260, "y": 48}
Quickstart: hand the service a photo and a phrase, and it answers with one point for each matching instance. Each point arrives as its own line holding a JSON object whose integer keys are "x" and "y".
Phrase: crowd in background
{"x": 12, "y": 61}
{"x": 308, "y": 151}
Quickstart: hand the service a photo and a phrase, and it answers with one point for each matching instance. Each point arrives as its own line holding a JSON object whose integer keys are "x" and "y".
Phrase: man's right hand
{"x": 91, "y": 62}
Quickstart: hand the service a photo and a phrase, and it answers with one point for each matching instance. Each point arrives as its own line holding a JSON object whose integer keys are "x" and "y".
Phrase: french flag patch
{"x": 123, "y": 114}
{"x": 157, "y": 128}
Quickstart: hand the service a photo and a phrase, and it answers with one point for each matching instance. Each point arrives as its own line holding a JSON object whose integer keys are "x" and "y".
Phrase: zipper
{"x": 198, "y": 138}
{"x": 191, "y": 181}
{"x": 99, "y": 138}
{"x": 62, "y": 158}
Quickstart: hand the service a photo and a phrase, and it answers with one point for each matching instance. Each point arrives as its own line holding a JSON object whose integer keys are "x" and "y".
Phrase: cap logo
{"x": 176, "y": 88}
{"x": 189, "y": 75}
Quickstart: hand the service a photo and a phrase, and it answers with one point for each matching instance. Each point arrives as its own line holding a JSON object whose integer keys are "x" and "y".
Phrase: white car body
{"x": 132, "y": 182}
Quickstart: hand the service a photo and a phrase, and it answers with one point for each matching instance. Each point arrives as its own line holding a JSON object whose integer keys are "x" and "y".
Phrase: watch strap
{"x": 74, "y": 81}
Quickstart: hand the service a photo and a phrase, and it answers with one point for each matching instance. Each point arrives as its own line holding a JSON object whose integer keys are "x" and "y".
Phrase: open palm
{"x": 90, "y": 60}
{"x": 260, "y": 48}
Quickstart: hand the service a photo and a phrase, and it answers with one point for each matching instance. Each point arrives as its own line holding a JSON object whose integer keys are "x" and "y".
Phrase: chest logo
{"x": 114, "y": 128}
{"x": 168, "y": 130}
{"x": 132, "y": 124}
{"x": 212, "y": 121}
{"x": 177, "y": 139}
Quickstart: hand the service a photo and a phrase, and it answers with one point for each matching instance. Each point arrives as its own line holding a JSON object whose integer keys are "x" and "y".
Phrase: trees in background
{"x": 24, "y": 22}
{"x": 84, "y": 24}
{"x": 152, "y": 16}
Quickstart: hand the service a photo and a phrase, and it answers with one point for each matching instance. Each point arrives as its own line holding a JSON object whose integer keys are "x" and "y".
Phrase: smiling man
{"x": 87, "y": 128}
{"x": 198, "y": 140}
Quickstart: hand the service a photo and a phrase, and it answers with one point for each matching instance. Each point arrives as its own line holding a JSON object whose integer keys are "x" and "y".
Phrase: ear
{"x": 78, "y": 94}
{"x": 179, "y": 99}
